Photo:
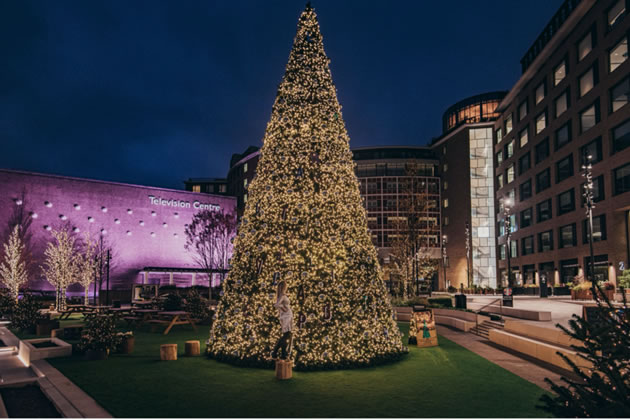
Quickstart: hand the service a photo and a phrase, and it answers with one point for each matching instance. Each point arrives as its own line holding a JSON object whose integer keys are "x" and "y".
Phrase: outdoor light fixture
{"x": 153, "y": 234}
{"x": 128, "y": 233}
{"x": 76, "y": 230}
{"x": 103, "y": 231}
{"x": 117, "y": 221}
{"x": 129, "y": 211}
{"x": 34, "y": 215}
{"x": 164, "y": 225}
{"x": 444, "y": 259}
{"x": 176, "y": 215}
{"x": 18, "y": 202}
{"x": 48, "y": 228}
{"x": 153, "y": 213}
{"x": 91, "y": 219}
{"x": 77, "y": 207}
{"x": 507, "y": 208}
{"x": 141, "y": 223}
{"x": 63, "y": 217}
{"x": 587, "y": 167}
{"x": 104, "y": 209}
{"x": 48, "y": 204}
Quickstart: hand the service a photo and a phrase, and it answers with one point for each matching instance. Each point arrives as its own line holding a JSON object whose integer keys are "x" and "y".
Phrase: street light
{"x": 587, "y": 167}
{"x": 444, "y": 259}
{"x": 507, "y": 203}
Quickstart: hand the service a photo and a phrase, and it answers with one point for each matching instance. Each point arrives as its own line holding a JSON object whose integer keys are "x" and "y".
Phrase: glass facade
{"x": 482, "y": 218}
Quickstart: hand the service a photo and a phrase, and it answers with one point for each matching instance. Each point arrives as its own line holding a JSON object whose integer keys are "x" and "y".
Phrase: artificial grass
{"x": 444, "y": 381}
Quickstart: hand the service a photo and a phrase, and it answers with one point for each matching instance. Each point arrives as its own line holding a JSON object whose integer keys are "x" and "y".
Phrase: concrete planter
{"x": 28, "y": 352}
{"x": 588, "y": 294}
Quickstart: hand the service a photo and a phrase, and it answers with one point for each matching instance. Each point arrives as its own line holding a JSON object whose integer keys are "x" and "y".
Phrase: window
{"x": 502, "y": 251}
{"x": 445, "y": 185}
{"x": 525, "y": 190}
{"x": 561, "y": 103}
{"x": 527, "y": 245}
{"x": 587, "y": 81}
{"x": 620, "y": 94}
{"x": 523, "y": 138}
{"x": 499, "y": 181}
{"x": 564, "y": 168}
{"x": 540, "y": 93}
{"x": 566, "y": 236}
{"x": 509, "y": 149}
{"x": 245, "y": 183}
{"x": 541, "y": 121}
{"x": 598, "y": 190}
{"x": 563, "y": 136}
{"x": 559, "y": 73}
{"x": 508, "y": 124}
{"x": 522, "y": 110}
{"x": 499, "y": 136}
{"x": 223, "y": 188}
{"x": 445, "y": 220}
{"x": 621, "y": 136}
{"x": 621, "y": 175}
{"x": 245, "y": 198}
{"x": 245, "y": 167}
{"x": 509, "y": 174}
{"x": 594, "y": 149}
{"x": 524, "y": 163}
{"x": 446, "y": 167}
{"x": 599, "y": 229}
{"x": 545, "y": 241}
{"x": 543, "y": 180}
{"x": 618, "y": 54}
{"x": 589, "y": 117}
{"x": 542, "y": 150}
{"x": 526, "y": 217}
{"x": 196, "y": 188}
{"x": 585, "y": 45}
{"x": 446, "y": 203}
{"x": 513, "y": 249}
{"x": 543, "y": 211}
{"x": 499, "y": 157}
{"x": 616, "y": 12}
{"x": 566, "y": 202}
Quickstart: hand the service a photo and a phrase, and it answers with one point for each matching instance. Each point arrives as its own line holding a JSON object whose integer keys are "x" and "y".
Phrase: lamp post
{"x": 468, "y": 249}
{"x": 507, "y": 203}
{"x": 587, "y": 174}
{"x": 444, "y": 259}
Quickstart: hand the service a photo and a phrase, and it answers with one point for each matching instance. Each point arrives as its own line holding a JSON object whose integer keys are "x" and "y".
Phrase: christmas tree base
{"x": 284, "y": 369}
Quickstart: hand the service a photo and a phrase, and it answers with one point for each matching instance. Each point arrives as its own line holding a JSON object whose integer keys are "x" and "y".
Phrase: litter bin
{"x": 460, "y": 301}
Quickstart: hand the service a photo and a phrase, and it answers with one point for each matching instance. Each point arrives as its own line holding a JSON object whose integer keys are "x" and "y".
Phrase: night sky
{"x": 154, "y": 92}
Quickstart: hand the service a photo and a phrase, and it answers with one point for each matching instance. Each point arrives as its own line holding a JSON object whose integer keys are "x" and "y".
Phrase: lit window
{"x": 445, "y": 167}
{"x": 244, "y": 198}
{"x": 620, "y": 94}
{"x": 445, "y": 185}
{"x": 567, "y": 236}
{"x": 245, "y": 167}
{"x": 559, "y": 73}
{"x": 523, "y": 138}
{"x": 196, "y": 188}
{"x": 223, "y": 188}
{"x": 508, "y": 124}
{"x": 522, "y": 111}
{"x": 616, "y": 12}
{"x": 541, "y": 122}
{"x": 585, "y": 46}
{"x": 445, "y": 202}
{"x": 510, "y": 173}
{"x": 499, "y": 181}
{"x": 589, "y": 117}
{"x": 540, "y": 93}
{"x": 586, "y": 82}
{"x": 618, "y": 55}
{"x": 245, "y": 183}
{"x": 445, "y": 221}
{"x": 509, "y": 149}
{"x": 499, "y": 158}
{"x": 561, "y": 103}
{"x": 444, "y": 150}
{"x": 599, "y": 229}
{"x": 499, "y": 136}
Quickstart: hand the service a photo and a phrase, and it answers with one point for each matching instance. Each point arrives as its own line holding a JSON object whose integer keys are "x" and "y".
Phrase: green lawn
{"x": 445, "y": 381}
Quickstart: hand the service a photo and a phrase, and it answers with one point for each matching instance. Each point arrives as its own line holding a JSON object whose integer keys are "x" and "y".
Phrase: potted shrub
{"x": 99, "y": 337}
{"x": 26, "y": 314}
{"x": 198, "y": 307}
{"x": 127, "y": 342}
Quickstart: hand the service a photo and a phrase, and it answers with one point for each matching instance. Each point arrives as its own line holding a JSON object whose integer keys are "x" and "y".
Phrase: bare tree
{"x": 209, "y": 238}
{"x": 88, "y": 264}
{"x": 411, "y": 254}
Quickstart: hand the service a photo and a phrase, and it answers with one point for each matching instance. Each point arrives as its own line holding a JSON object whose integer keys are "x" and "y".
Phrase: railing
{"x": 500, "y": 300}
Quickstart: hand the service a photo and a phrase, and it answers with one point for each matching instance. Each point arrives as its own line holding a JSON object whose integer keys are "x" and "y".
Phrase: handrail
{"x": 484, "y": 307}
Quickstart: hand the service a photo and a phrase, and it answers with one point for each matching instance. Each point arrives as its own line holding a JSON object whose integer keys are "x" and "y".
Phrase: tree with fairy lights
{"x": 304, "y": 223}
{"x": 602, "y": 387}
{"x": 88, "y": 262}
{"x": 61, "y": 266}
{"x": 13, "y": 269}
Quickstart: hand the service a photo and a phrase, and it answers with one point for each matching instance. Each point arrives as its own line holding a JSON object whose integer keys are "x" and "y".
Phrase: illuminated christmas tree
{"x": 304, "y": 223}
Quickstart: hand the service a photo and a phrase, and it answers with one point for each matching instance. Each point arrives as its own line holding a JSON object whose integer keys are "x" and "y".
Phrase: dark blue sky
{"x": 153, "y": 92}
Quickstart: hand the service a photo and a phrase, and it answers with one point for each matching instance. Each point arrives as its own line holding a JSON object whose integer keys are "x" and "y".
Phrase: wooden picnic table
{"x": 122, "y": 311}
{"x": 172, "y": 318}
{"x": 75, "y": 309}
{"x": 100, "y": 308}
{"x": 140, "y": 315}
{"x": 143, "y": 304}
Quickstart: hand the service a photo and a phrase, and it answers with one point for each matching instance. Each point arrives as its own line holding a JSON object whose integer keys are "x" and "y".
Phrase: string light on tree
{"x": 304, "y": 223}
{"x": 13, "y": 270}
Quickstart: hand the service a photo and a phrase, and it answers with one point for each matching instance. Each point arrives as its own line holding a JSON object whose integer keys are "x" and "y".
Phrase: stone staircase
{"x": 483, "y": 329}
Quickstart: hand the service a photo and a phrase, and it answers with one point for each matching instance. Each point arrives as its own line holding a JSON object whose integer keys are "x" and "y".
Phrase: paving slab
{"x": 524, "y": 368}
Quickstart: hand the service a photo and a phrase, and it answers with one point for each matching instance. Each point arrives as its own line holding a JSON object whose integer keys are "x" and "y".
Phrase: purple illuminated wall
{"x": 143, "y": 225}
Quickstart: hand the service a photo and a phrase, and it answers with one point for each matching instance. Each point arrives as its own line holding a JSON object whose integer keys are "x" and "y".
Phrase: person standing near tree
{"x": 286, "y": 321}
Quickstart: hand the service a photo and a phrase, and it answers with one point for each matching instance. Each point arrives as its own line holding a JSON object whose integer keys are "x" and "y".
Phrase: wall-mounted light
{"x": 103, "y": 231}
{"x": 48, "y": 204}
{"x": 175, "y": 235}
{"x": 77, "y": 207}
{"x": 91, "y": 219}
{"x": 141, "y": 223}
{"x": 153, "y": 234}
{"x": 76, "y": 230}
{"x": 176, "y": 215}
{"x": 129, "y": 211}
{"x": 48, "y": 228}
{"x": 153, "y": 213}
{"x": 164, "y": 225}
{"x": 128, "y": 233}
{"x": 104, "y": 209}
{"x": 18, "y": 202}
{"x": 34, "y": 215}
{"x": 117, "y": 221}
